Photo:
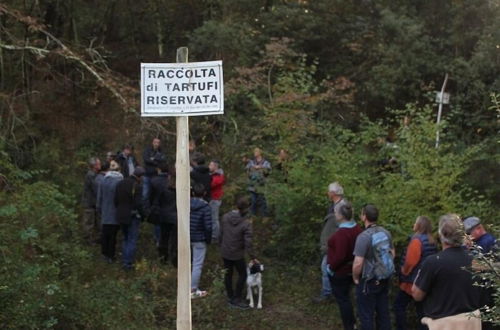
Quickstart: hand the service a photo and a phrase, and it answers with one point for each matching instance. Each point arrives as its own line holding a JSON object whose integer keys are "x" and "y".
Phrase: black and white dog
{"x": 254, "y": 281}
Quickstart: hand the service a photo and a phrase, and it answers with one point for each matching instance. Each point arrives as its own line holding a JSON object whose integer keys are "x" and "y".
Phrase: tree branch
{"x": 65, "y": 52}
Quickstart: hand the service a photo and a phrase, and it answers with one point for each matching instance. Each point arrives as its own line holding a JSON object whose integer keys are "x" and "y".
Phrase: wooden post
{"x": 183, "y": 205}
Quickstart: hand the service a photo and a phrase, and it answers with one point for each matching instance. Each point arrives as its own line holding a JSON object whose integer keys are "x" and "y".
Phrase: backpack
{"x": 383, "y": 266}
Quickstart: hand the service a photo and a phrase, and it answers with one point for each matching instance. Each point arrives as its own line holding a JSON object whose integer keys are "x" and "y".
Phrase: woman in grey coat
{"x": 106, "y": 208}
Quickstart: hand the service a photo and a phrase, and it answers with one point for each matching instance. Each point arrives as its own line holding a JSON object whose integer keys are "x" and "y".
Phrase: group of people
{"x": 119, "y": 194}
{"x": 441, "y": 284}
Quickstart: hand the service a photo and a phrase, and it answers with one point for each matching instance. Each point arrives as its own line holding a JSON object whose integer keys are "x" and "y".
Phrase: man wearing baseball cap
{"x": 483, "y": 239}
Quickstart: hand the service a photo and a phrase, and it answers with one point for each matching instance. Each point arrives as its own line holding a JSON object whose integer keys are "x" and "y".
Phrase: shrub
{"x": 424, "y": 180}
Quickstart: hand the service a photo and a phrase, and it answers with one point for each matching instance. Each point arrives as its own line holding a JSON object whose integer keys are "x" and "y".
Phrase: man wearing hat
{"x": 129, "y": 209}
{"x": 483, "y": 239}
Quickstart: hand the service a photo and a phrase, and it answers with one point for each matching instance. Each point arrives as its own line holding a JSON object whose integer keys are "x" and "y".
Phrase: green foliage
{"x": 424, "y": 180}
{"x": 47, "y": 274}
{"x": 317, "y": 78}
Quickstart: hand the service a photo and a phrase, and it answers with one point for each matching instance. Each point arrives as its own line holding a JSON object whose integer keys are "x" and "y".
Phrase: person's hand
{"x": 356, "y": 281}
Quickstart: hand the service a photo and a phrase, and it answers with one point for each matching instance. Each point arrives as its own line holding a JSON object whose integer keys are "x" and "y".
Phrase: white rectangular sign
{"x": 182, "y": 89}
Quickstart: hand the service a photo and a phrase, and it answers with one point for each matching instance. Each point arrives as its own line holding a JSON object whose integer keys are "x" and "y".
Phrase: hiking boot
{"x": 322, "y": 299}
{"x": 239, "y": 304}
{"x": 128, "y": 267}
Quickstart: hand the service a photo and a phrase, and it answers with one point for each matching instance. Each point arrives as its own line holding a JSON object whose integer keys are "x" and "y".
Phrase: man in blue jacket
{"x": 201, "y": 235}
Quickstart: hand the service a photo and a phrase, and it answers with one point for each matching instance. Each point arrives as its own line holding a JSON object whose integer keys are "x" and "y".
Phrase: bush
{"x": 423, "y": 180}
{"x": 49, "y": 279}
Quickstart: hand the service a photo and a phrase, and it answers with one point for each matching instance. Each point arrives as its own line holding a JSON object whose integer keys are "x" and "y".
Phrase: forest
{"x": 340, "y": 85}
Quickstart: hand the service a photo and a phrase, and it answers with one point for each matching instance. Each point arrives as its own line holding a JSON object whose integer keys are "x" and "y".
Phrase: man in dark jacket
{"x": 107, "y": 210}
{"x": 128, "y": 202}
{"x": 164, "y": 212}
{"x": 201, "y": 235}
{"x": 152, "y": 157}
{"x": 89, "y": 223}
{"x": 126, "y": 160}
{"x": 236, "y": 239}
{"x": 201, "y": 173}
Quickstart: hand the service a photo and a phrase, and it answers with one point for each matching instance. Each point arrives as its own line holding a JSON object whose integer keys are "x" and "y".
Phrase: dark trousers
{"x": 341, "y": 290}
{"x": 400, "y": 305}
{"x": 108, "y": 240}
{"x": 372, "y": 299}
{"x": 168, "y": 243}
{"x": 241, "y": 268}
{"x": 129, "y": 246}
{"x": 259, "y": 204}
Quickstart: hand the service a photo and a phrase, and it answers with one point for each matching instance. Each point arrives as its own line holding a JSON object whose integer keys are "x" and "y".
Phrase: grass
{"x": 288, "y": 289}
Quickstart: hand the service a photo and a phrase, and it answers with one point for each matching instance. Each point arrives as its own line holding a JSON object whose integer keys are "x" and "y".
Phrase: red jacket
{"x": 216, "y": 185}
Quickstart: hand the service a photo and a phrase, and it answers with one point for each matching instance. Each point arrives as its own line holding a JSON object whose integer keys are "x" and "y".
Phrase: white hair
{"x": 336, "y": 188}
{"x": 92, "y": 161}
{"x": 451, "y": 230}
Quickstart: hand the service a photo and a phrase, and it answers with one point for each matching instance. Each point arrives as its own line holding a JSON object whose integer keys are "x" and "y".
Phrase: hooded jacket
{"x": 201, "y": 174}
{"x": 106, "y": 198}
{"x": 200, "y": 221}
{"x": 236, "y": 236}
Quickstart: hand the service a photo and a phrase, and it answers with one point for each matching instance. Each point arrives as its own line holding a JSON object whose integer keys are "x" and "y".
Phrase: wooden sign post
{"x": 183, "y": 206}
{"x": 182, "y": 89}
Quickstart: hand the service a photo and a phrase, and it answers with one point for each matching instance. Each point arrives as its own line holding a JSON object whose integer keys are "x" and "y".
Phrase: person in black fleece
{"x": 153, "y": 157}
{"x": 164, "y": 210}
{"x": 201, "y": 173}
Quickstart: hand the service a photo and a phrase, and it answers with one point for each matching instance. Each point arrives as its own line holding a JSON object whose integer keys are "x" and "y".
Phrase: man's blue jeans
{"x": 326, "y": 289}
{"x": 129, "y": 245}
{"x": 199, "y": 249}
{"x": 372, "y": 299}
{"x": 146, "y": 187}
{"x": 215, "y": 207}
{"x": 259, "y": 204}
{"x": 341, "y": 289}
